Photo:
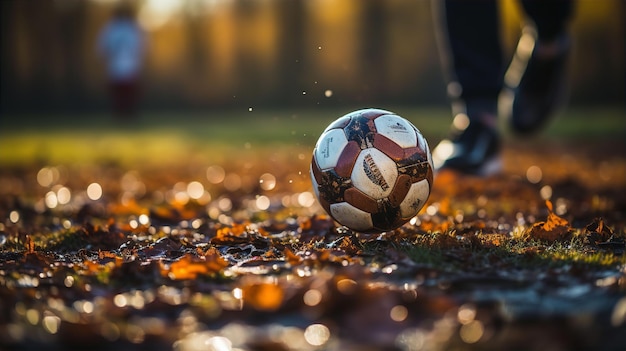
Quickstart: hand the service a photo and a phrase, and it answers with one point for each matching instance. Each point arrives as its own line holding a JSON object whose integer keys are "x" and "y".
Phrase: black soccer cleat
{"x": 473, "y": 148}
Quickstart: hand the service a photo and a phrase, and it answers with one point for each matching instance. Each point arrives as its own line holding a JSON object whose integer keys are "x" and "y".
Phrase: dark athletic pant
{"x": 475, "y": 60}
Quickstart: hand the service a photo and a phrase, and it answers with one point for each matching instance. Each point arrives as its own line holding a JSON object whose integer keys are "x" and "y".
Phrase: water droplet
{"x": 267, "y": 181}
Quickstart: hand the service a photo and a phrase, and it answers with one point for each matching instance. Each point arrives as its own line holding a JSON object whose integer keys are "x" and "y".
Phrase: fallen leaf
{"x": 597, "y": 231}
{"x": 553, "y": 229}
{"x": 190, "y": 266}
{"x": 291, "y": 257}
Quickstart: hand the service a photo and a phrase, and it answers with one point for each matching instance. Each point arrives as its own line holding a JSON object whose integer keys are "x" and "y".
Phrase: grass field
{"x": 163, "y": 137}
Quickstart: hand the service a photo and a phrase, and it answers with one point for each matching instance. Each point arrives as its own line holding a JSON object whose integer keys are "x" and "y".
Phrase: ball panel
{"x": 332, "y": 186}
{"x": 400, "y": 189}
{"x": 314, "y": 182}
{"x": 374, "y": 173}
{"x": 361, "y": 130}
{"x": 361, "y": 201}
{"x": 415, "y": 199}
{"x": 388, "y": 216}
{"x": 388, "y": 147}
{"x": 413, "y": 154}
{"x": 316, "y": 173}
{"x": 372, "y": 112}
{"x": 397, "y": 129}
{"x": 415, "y": 164}
{"x": 346, "y": 160}
{"x": 329, "y": 147}
{"x": 351, "y": 216}
{"x": 339, "y": 123}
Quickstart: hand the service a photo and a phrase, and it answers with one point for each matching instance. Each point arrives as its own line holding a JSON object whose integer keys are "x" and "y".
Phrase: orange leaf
{"x": 554, "y": 228}
{"x": 92, "y": 267}
{"x": 185, "y": 268}
{"x": 189, "y": 266}
{"x": 30, "y": 244}
{"x": 291, "y": 257}
{"x": 106, "y": 254}
{"x": 214, "y": 260}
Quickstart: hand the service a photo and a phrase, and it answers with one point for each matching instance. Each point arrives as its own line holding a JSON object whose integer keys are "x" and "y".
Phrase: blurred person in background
{"x": 122, "y": 45}
{"x": 528, "y": 91}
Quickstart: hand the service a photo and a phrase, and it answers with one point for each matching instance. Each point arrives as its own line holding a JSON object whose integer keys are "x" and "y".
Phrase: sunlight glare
{"x": 232, "y": 182}
{"x": 195, "y": 190}
{"x": 64, "y": 195}
{"x": 312, "y": 297}
{"x": 51, "y": 324}
{"x": 156, "y": 13}
{"x": 215, "y": 174}
{"x": 219, "y": 343}
{"x": 306, "y": 199}
{"x": 398, "y": 313}
{"x": 47, "y": 176}
{"x": 317, "y": 334}
{"x": 14, "y": 216}
{"x": 51, "y": 199}
{"x": 144, "y": 219}
{"x": 472, "y": 331}
{"x": 461, "y": 121}
{"x": 466, "y": 314}
{"x": 534, "y": 174}
{"x": 94, "y": 191}
{"x": 546, "y": 192}
{"x": 262, "y": 202}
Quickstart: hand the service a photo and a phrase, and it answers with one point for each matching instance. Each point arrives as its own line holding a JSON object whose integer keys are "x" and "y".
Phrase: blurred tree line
{"x": 222, "y": 53}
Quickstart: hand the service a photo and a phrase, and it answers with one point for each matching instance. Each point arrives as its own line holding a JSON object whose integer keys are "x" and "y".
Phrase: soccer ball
{"x": 371, "y": 170}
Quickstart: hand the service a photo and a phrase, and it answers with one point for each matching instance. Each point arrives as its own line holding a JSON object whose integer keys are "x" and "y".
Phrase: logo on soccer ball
{"x": 373, "y": 173}
{"x": 326, "y": 150}
{"x": 398, "y": 127}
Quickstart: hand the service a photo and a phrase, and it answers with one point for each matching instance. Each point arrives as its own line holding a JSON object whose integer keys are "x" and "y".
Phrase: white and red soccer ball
{"x": 372, "y": 170}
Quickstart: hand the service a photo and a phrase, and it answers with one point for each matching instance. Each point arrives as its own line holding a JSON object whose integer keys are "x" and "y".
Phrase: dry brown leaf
{"x": 30, "y": 244}
{"x": 189, "y": 266}
{"x": 291, "y": 257}
{"x": 600, "y": 229}
{"x": 553, "y": 229}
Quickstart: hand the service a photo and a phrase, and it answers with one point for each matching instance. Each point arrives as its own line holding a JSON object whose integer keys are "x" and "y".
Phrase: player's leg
{"x": 537, "y": 75}
{"x": 472, "y": 59}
